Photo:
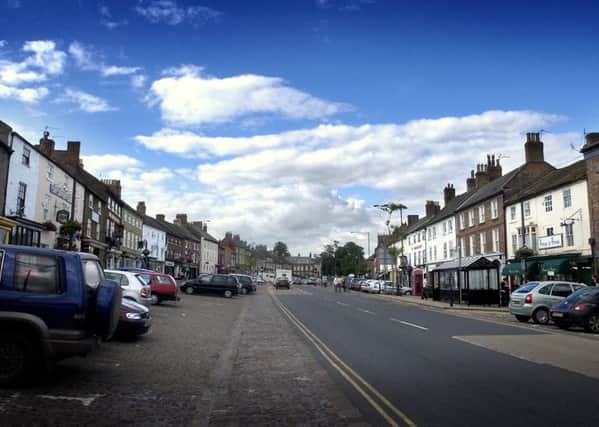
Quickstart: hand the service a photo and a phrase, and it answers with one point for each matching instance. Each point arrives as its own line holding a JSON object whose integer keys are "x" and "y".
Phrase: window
{"x": 481, "y": 214}
{"x": 496, "y": 240}
{"x": 471, "y": 217}
{"x": 450, "y": 225}
{"x": 513, "y": 213}
{"x": 37, "y": 273}
{"x": 569, "y": 234}
{"x": 50, "y": 172}
{"x": 567, "y": 198}
{"x": 483, "y": 242}
{"x": 434, "y": 253}
{"x": 549, "y": 231}
{"x": 444, "y": 228}
{"x": 462, "y": 224}
{"x": 434, "y": 232}
{"x": 26, "y": 156}
{"x": 548, "y": 203}
{"x": 561, "y": 290}
{"x": 91, "y": 202}
{"x": 445, "y": 250}
{"x": 494, "y": 212}
{"x": 21, "y": 198}
{"x": 514, "y": 242}
{"x": 527, "y": 208}
{"x": 93, "y": 273}
{"x": 462, "y": 247}
{"x": 471, "y": 244}
{"x": 88, "y": 228}
{"x": 545, "y": 290}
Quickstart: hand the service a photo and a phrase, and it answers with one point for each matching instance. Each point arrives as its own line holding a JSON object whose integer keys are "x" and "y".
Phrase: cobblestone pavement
{"x": 208, "y": 360}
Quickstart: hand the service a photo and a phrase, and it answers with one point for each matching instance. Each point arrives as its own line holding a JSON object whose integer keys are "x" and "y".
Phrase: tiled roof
{"x": 574, "y": 172}
{"x": 152, "y": 222}
{"x": 450, "y": 209}
{"x": 489, "y": 190}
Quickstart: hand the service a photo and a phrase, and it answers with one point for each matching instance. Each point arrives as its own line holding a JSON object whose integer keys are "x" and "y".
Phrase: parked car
{"x": 247, "y": 284}
{"x": 53, "y": 304}
{"x": 164, "y": 287}
{"x": 389, "y": 288}
{"x": 134, "y": 287}
{"x": 580, "y": 308}
{"x": 405, "y": 290}
{"x": 282, "y": 282}
{"x": 535, "y": 299}
{"x": 374, "y": 286}
{"x": 356, "y": 285}
{"x": 259, "y": 280}
{"x": 222, "y": 284}
{"x": 134, "y": 320}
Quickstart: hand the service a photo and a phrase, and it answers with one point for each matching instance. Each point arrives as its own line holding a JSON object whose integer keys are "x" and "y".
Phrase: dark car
{"x": 53, "y": 304}
{"x": 134, "y": 320}
{"x": 222, "y": 284}
{"x": 282, "y": 283}
{"x": 247, "y": 284}
{"x": 580, "y": 308}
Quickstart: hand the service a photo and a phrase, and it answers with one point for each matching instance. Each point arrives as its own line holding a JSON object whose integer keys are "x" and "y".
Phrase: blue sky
{"x": 288, "y": 119}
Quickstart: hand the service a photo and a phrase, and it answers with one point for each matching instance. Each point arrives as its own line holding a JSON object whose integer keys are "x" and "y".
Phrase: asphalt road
{"x": 436, "y": 369}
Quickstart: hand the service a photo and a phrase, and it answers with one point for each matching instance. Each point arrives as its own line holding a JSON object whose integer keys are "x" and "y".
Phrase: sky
{"x": 288, "y": 120}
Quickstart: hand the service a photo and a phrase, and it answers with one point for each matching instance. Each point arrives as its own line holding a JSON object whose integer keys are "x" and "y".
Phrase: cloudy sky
{"x": 288, "y": 120}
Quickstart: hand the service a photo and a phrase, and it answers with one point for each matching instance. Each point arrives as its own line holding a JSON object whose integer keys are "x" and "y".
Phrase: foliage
{"x": 347, "y": 259}
{"x": 69, "y": 228}
{"x": 50, "y": 226}
{"x": 280, "y": 249}
{"x": 394, "y": 253}
{"x": 525, "y": 252}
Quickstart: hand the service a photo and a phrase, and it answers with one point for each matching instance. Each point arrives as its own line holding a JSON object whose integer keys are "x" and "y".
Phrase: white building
{"x": 551, "y": 217}
{"x": 209, "y": 247}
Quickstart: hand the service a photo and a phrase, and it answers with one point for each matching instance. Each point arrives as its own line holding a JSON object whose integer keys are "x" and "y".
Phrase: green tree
{"x": 280, "y": 249}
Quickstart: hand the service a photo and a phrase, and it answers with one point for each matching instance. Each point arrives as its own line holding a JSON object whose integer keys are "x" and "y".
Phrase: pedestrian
{"x": 345, "y": 280}
{"x": 424, "y": 286}
{"x": 595, "y": 280}
{"x": 336, "y": 283}
{"x": 503, "y": 293}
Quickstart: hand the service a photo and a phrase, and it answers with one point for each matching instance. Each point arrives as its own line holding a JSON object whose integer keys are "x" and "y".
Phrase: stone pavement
{"x": 409, "y": 299}
{"x": 272, "y": 378}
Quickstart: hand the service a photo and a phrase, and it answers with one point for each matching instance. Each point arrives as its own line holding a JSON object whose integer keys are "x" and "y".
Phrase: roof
{"x": 152, "y": 222}
{"x": 470, "y": 262}
{"x": 576, "y": 171}
{"x": 489, "y": 190}
{"x": 450, "y": 208}
{"x": 90, "y": 182}
{"x": 421, "y": 223}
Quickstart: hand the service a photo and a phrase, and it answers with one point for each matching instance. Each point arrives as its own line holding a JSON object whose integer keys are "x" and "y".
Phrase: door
{"x": 203, "y": 284}
{"x": 218, "y": 283}
{"x": 560, "y": 291}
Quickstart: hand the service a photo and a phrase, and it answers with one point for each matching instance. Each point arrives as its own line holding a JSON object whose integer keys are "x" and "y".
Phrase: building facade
{"x": 154, "y": 240}
{"x": 6, "y": 224}
{"x": 133, "y": 239}
{"x": 591, "y": 157}
{"x": 305, "y": 266}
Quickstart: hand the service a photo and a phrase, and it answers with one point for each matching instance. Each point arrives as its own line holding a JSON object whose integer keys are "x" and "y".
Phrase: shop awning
{"x": 555, "y": 265}
{"x": 513, "y": 269}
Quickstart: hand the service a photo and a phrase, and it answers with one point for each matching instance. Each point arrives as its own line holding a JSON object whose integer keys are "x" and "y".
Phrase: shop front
{"x": 26, "y": 232}
{"x": 570, "y": 267}
{"x": 6, "y": 226}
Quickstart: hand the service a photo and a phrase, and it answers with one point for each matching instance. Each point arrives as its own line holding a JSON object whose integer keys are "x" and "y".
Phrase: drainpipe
{"x": 524, "y": 275}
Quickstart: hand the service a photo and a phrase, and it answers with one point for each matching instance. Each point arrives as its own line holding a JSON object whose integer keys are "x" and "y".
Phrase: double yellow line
{"x": 386, "y": 409}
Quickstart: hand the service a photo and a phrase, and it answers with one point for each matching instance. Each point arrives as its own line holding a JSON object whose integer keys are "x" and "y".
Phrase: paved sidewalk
{"x": 272, "y": 377}
{"x": 409, "y": 299}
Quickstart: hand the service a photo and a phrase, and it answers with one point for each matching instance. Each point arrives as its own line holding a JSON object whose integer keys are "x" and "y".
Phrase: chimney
{"x": 47, "y": 145}
{"x": 181, "y": 219}
{"x": 205, "y": 228}
{"x": 160, "y": 217}
{"x": 114, "y": 185}
{"x": 431, "y": 208}
{"x": 141, "y": 207}
{"x": 592, "y": 140}
{"x": 482, "y": 176}
{"x": 412, "y": 219}
{"x": 72, "y": 153}
{"x": 448, "y": 193}
{"x": 471, "y": 182}
{"x": 493, "y": 168}
{"x": 228, "y": 235}
{"x": 533, "y": 148}
{"x": 5, "y": 132}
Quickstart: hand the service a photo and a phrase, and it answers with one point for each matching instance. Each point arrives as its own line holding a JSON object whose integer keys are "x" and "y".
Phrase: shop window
{"x": 37, "y": 274}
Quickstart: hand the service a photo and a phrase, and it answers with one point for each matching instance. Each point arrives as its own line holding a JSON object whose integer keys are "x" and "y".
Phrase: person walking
{"x": 595, "y": 281}
{"x": 336, "y": 283}
{"x": 424, "y": 286}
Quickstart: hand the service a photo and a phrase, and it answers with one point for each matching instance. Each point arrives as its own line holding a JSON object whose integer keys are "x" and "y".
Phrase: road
{"x": 404, "y": 365}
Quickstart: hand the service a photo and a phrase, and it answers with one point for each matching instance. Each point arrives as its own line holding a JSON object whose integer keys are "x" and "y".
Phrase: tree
{"x": 347, "y": 259}
{"x": 280, "y": 249}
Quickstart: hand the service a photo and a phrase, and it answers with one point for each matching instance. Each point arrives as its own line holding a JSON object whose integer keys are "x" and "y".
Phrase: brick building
{"x": 591, "y": 156}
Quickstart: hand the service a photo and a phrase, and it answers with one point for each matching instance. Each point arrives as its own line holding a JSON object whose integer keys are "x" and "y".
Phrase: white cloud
{"x": 3, "y": 43}
{"x": 84, "y": 59}
{"x": 43, "y": 60}
{"x": 138, "y": 81}
{"x": 187, "y": 97}
{"x": 27, "y": 95}
{"x": 172, "y": 13}
{"x": 85, "y": 101}
{"x": 108, "y": 20}
{"x": 99, "y": 164}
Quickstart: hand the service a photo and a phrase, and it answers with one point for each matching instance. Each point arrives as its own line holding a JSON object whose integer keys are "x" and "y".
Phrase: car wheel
{"x": 562, "y": 325}
{"x": 541, "y": 316}
{"x": 189, "y": 290}
{"x": 591, "y": 324}
{"x": 228, "y": 294}
{"x": 522, "y": 319}
{"x": 16, "y": 358}
{"x": 244, "y": 291}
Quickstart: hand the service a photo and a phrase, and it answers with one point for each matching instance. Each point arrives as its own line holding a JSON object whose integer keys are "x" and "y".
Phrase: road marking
{"x": 343, "y": 304}
{"x": 366, "y": 311}
{"x": 403, "y": 322}
{"x": 85, "y": 401}
{"x": 348, "y": 373}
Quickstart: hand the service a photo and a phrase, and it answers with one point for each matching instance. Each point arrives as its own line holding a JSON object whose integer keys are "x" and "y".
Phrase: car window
{"x": 121, "y": 279}
{"x": 545, "y": 290}
{"x": 93, "y": 273}
{"x": 526, "y": 288}
{"x": 204, "y": 279}
{"x": 584, "y": 294}
{"x": 578, "y": 287}
{"x": 1, "y": 262}
{"x": 163, "y": 280}
{"x": 37, "y": 274}
{"x": 145, "y": 277}
{"x": 231, "y": 281}
{"x": 561, "y": 290}
{"x": 218, "y": 280}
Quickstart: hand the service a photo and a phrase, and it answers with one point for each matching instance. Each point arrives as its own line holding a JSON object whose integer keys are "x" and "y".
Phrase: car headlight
{"x": 135, "y": 316}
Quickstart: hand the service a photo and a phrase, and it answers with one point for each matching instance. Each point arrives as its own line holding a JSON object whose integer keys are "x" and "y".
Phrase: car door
{"x": 544, "y": 297}
{"x": 560, "y": 291}
{"x": 218, "y": 283}
{"x": 202, "y": 284}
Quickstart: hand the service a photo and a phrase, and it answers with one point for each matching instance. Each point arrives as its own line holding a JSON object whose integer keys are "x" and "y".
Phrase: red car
{"x": 164, "y": 287}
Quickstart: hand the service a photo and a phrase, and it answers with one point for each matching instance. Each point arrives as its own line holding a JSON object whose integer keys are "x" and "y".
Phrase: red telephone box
{"x": 417, "y": 279}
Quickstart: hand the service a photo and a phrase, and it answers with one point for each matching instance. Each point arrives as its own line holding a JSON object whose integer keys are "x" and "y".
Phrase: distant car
{"x": 247, "y": 284}
{"x": 259, "y": 280}
{"x": 405, "y": 290}
{"x": 134, "y": 288}
{"x": 282, "y": 283}
{"x": 164, "y": 287}
{"x": 580, "y": 308}
{"x": 222, "y": 284}
{"x": 356, "y": 284}
{"x": 389, "y": 288}
{"x": 134, "y": 320}
{"x": 535, "y": 299}
{"x": 374, "y": 286}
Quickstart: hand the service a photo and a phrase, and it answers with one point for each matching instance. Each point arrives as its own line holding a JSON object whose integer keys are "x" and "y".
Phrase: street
{"x": 309, "y": 356}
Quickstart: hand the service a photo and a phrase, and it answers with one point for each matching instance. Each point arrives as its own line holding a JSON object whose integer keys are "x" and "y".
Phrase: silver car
{"x": 535, "y": 299}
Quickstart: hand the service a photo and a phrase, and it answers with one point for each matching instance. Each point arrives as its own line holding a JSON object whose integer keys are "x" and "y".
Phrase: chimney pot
{"x": 181, "y": 218}
{"x": 533, "y": 148}
{"x": 141, "y": 207}
{"x": 160, "y": 217}
{"x": 448, "y": 194}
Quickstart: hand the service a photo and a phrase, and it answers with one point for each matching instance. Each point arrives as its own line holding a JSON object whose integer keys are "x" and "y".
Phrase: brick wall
{"x": 593, "y": 191}
{"x": 486, "y": 227}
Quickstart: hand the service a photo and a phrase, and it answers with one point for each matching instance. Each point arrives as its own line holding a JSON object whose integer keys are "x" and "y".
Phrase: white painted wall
{"x": 541, "y": 220}
{"x": 29, "y": 175}
{"x": 442, "y": 233}
{"x": 209, "y": 256}
{"x": 156, "y": 241}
